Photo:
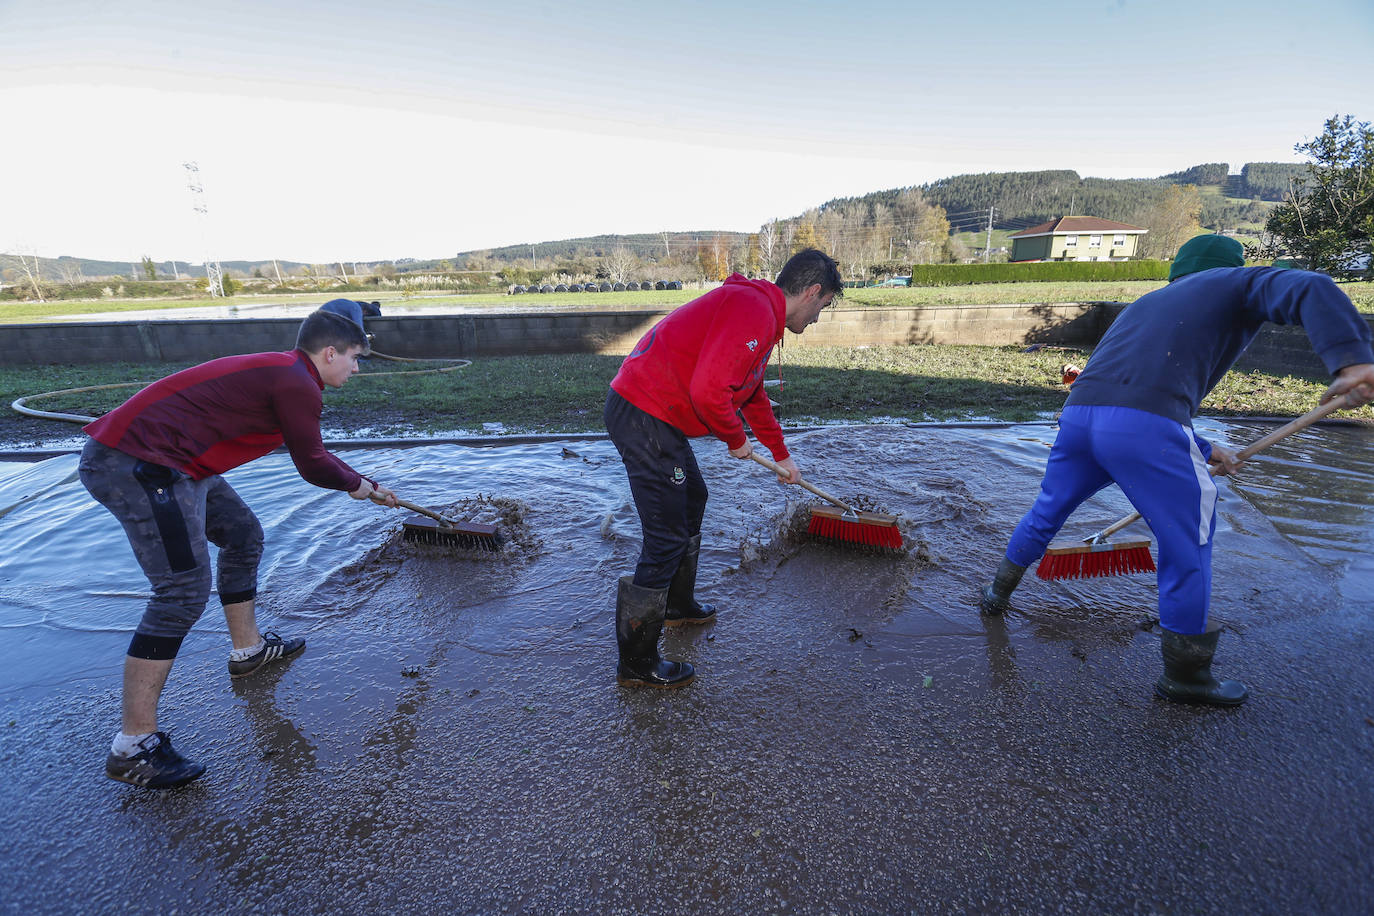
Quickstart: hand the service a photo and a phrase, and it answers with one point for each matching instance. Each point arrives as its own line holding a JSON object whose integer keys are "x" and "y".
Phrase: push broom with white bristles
{"x": 1094, "y": 556}
{"x": 843, "y": 523}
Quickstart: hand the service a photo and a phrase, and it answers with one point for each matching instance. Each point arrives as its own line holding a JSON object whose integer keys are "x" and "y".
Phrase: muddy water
{"x": 859, "y": 738}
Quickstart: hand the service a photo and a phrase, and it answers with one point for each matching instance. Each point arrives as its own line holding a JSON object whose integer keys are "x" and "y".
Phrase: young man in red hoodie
{"x": 155, "y": 462}
{"x": 692, "y": 375}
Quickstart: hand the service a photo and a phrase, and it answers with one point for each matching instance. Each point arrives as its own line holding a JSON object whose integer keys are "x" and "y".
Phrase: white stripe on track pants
{"x": 1158, "y": 465}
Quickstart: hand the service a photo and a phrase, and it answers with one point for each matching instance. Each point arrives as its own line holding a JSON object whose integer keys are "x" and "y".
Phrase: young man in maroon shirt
{"x": 692, "y": 375}
{"x": 155, "y": 463}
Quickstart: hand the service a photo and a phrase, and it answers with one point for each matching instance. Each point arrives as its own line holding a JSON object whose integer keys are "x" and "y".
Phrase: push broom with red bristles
{"x": 843, "y": 522}
{"x": 1094, "y": 556}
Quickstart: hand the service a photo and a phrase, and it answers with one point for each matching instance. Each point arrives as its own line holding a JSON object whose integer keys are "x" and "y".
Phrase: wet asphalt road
{"x": 859, "y": 740}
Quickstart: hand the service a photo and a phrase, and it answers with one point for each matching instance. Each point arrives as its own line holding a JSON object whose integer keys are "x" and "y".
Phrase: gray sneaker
{"x": 275, "y": 650}
{"x": 155, "y": 766}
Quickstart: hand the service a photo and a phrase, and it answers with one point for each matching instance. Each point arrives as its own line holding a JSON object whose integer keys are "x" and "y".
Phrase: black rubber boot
{"x": 996, "y": 596}
{"x": 1188, "y": 670}
{"x": 683, "y": 606}
{"x": 639, "y": 614}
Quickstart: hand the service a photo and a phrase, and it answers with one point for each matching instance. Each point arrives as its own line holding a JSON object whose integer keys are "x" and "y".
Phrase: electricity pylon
{"x": 213, "y": 274}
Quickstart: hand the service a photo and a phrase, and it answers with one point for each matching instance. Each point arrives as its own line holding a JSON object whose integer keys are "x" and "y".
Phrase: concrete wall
{"x": 1282, "y": 351}
{"x": 1080, "y": 324}
{"x": 424, "y": 337}
{"x": 1064, "y": 324}
{"x": 471, "y": 336}
{"x": 1276, "y": 350}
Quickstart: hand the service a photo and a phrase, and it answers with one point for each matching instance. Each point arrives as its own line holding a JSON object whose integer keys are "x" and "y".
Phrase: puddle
{"x": 1293, "y": 527}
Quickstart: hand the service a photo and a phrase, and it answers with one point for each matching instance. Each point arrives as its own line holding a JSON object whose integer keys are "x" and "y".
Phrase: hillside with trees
{"x": 876, "y": 234}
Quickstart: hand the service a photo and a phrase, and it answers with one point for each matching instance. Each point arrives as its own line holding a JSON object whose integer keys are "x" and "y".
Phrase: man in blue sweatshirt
{"x": 1128, "y": 420}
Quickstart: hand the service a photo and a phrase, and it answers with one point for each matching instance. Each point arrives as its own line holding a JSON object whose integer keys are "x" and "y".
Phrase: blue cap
{"x": 346, "y": 308}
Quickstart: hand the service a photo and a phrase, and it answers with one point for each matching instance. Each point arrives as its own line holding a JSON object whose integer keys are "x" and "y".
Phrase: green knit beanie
{"x": 1203, "y": 252}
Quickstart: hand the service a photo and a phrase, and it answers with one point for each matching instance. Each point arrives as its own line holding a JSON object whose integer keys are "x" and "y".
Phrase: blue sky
{"x": 353, "y": 131}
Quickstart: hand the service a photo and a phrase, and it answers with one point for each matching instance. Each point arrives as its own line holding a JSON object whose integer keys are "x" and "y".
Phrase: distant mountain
{"x": 1017, "y": 200}
{"x": 71, "y": 269}
{"x": 645, "y": 245}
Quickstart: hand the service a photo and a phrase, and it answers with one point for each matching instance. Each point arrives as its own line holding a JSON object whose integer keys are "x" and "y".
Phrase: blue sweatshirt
{"x": 1170, "y": 347}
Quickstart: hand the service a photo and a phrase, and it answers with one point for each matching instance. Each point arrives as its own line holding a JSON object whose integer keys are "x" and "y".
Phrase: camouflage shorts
{"x": 170, "y": 521}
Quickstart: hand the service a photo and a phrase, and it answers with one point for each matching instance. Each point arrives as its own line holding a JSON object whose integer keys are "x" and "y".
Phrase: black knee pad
{"x": 154, "y": 648}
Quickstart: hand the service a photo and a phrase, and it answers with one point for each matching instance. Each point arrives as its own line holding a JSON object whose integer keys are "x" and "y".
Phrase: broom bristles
{"x": 866, "y": 528}
{"x": 1087, "y": 561}
{"x": 464, "y": 535}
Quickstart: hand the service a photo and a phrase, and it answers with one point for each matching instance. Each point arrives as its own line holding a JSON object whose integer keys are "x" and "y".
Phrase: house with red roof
{"x": 1077, "y": 238}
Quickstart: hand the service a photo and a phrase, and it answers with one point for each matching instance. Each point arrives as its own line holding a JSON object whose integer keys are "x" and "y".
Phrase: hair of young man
{"x": 807, "y": 268}
{"x": 325, "y": 329}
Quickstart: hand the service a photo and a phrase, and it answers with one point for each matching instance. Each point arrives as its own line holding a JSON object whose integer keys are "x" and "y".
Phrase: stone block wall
{"x": 1064, "y": 324}
{"x": 1079, "y": 324}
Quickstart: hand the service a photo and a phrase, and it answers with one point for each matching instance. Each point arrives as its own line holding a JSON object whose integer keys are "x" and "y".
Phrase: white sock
{"x": 128, "y": 745}
{"x": 238, "y": 655}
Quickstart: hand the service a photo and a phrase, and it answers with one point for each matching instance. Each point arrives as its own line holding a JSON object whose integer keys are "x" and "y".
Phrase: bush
{"x": 967, "y": 274}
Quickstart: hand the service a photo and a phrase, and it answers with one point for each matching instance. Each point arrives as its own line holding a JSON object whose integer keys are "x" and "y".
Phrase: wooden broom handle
{"x": 773, "y": 466}
{"x": 381, "y": 500}
{"x": 1293, "y": 426}
{"x": 1288, "y": 429}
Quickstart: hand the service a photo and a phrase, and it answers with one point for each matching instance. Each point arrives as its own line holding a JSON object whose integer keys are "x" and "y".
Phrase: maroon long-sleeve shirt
{"x": 216, "y": 416}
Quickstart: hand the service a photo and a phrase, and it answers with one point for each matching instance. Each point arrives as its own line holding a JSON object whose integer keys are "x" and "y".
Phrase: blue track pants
{"x": 1159, "y": 466}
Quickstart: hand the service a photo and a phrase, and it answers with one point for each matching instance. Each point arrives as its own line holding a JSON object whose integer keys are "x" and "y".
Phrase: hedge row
{"x": 965, "y": 274}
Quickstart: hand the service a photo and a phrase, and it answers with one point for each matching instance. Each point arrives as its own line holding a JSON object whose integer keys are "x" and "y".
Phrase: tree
{"x": 1207, "y": 173}
{"x": 31, "y": 270}
{"x": 70, "y": 271}
{"x": 619, "y": 263}
{"x": 926, "y": 227}
{"x": 149, "y": 268}
{"x": 1327, "y": 218}
{"x": 753, "y": 262}
{"x": 770, "y": 248}
{"x": 1172, "y": 220}
{"x": 1269, "y": 180}
{"x": 804, "y": 237}
{"x": 713, "y": 258}
{"x": 837, "y": 235}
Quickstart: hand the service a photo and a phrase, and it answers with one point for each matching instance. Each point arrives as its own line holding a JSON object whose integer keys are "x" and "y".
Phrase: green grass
{"x": 1001, "y": 238}
{"x": 1361, "y": 293}
{"x": 565, "y": 394}
{"x": 1001, "y": 293}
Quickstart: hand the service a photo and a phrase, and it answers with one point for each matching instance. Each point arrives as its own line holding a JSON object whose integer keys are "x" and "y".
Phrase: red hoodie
{"x": 224, "y": 413}
{"x": 705, "y": 361}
